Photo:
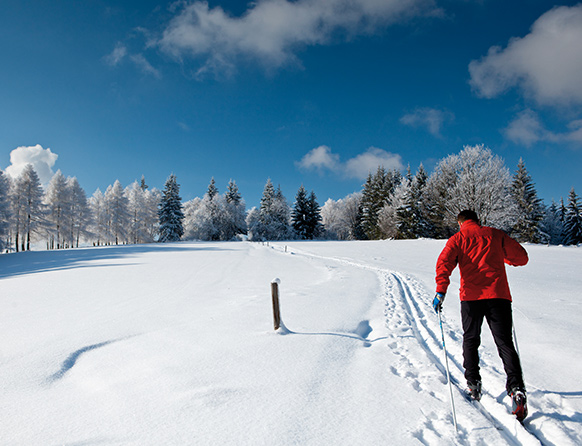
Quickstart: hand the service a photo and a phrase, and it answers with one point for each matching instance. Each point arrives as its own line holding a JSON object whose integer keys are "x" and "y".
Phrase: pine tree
{"x": 529, "y": 208}
{"x": 375, "y": 195}
{"x": 235, "y": 214}
{"x": 273, "y": 219}
{"x": 170, "y": 213}
{"x": 212, "y": 189}
{"x": 315, "y": 226}
{"x": 553, "y": 225}
{"x": 300, "y": 214}
{"x": 143, "y": 186}
{"x": 573, "y": 220}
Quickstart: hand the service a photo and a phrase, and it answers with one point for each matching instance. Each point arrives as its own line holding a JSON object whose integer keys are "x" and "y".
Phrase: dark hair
{"x": 467, "y": 215}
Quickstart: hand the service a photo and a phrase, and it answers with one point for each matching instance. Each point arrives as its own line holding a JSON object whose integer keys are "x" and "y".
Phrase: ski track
{"x": 406, "y": 306}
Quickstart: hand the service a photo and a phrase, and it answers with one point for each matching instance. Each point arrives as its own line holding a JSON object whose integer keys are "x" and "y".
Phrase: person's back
{"x": 481, "y": 253}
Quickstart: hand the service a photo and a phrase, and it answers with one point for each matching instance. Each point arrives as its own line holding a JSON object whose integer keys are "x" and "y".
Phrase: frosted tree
{"x": 474, "y": 179}
{"x": 403, "y": 216}
{"x": 573, "y": 220}
{"x": 341, "y": 218}
{"x": 234, "y": 212}
{"x": 5, "y": 211}
{"x": 170, "y": 212}
{"x": 79, "y": 216}
{"x": 375, "y": 195}
{"x": 27, "y": 207}
{"x": 58, "y": 206}
{"x": 100, "y": 222}
{"x": 117, "y": 211}
{"x": 150, "y": 220}
{"x": 274, "y": 216}
{"x": 142, "y": 211}
{"x": 529, "y": 210}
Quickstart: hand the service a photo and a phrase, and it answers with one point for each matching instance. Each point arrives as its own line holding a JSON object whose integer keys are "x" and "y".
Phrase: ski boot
{"x": 519, "y": 403}
{"x": 473, "y": 390}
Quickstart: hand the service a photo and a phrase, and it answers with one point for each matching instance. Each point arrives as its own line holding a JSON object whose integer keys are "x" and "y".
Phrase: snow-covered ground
{"x": 174, "y": 344}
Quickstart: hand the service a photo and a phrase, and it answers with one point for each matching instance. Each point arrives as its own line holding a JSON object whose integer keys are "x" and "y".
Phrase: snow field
{"x": 173, "y": 344}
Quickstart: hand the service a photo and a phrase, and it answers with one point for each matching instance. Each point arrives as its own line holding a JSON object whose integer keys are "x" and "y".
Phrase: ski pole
{"x": 448, "y": 373}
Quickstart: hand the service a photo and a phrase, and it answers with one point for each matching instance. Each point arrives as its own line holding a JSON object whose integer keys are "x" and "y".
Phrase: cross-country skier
{"x": 481, "y": 253}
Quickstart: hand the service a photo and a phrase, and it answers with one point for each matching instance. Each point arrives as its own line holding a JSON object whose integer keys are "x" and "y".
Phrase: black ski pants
{"x": 499, "y": 318}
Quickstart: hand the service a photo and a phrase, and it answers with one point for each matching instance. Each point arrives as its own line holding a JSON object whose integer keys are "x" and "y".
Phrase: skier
{"x": 481, "y": 253}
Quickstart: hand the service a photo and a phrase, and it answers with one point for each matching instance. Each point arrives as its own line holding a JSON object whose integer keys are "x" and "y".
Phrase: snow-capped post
{"x": 275, "y": 295}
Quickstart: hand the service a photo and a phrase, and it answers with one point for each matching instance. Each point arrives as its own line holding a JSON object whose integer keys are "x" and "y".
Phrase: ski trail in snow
{"x": 408, "y": 314}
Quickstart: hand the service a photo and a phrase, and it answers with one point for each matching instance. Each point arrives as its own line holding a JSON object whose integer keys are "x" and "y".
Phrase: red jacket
{"x": 481, "y": 253}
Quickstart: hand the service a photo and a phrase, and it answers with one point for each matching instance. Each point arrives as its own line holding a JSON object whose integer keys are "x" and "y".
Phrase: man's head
{"x": 467, "y": 215}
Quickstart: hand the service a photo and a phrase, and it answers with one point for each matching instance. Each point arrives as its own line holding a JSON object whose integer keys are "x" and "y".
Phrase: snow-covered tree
{"x": 234, "y": 213}
{"x": 117, "y": 210}
{"x": 375, "y": 195}
{"x": 58, "y": 206}
{"x": 27, "y": 207}
{"x": 5, "y": 211}
{"x": 80, "y": 214}
{"x": 528, "y": 207}
{"x": 274, "y": 216}
{"x": 573, "y": 220}
{"x": 170, "y": 212}
{"x": 142, "y": 211}
{"x": 100, "y": 222}
{"x": 341, "y": 219}
{"x": 474, "y": 179}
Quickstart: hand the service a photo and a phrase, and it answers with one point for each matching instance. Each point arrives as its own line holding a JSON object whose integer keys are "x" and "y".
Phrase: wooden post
{"x": 275, "y": 295}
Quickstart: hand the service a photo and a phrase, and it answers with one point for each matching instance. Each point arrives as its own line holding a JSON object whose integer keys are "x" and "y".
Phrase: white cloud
{"x": 527, "y": 129}
{"x": 430, "y": 118}
{"x": 41, "y": 159}
{"x": 144, "y": 65}
{"x": 369, "y": 161}
{"x": 546, "y": 64}
{"x": 117, "y": 55}
{"x": 271, "y": 31}
{"x": 322, "y": 158}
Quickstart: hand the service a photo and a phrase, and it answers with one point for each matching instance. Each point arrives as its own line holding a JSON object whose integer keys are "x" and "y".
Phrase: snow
{"x": 174, "y": 344}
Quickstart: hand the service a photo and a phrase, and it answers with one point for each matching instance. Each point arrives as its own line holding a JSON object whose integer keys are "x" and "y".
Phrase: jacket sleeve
{"x": 446, "y": 263}
{"x": 514, "y": 253}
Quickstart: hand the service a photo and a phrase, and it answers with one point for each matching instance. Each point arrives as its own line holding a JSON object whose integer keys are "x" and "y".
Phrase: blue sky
{"x": 308, "y": 92}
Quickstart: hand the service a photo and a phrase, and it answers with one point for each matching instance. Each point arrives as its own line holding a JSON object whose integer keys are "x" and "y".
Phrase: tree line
{"x": 390, "y": 205}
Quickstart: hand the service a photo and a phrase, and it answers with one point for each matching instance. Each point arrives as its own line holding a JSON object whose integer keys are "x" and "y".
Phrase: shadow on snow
{"x": 30, "y": 262}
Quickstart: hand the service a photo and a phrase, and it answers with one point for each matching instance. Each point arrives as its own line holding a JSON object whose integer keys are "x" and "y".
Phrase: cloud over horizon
{"x": 530, "y": 63}
{"x": 527, "y": 129}
{"x": 430, "y": 118}
{"x": 272, "y": 31}
{"x": 41, "y": 159}
{"x": 323, "y": 159}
